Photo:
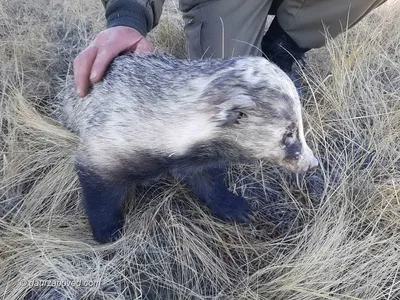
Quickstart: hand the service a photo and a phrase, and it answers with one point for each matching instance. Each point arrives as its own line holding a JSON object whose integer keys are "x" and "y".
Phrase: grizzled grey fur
{"x": 154, "y": 114}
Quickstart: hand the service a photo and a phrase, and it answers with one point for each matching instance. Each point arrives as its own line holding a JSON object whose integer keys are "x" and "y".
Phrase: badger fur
{"x": 153, "y": 114}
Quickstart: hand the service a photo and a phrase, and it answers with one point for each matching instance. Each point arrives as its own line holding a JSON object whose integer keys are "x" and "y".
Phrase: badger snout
{"x": 299, "y": 158}
{"x": 301, "y": 165}
{"x": 314, "y": 163}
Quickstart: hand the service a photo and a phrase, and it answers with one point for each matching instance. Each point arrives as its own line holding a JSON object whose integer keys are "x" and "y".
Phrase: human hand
{"x": 91, "y": 64}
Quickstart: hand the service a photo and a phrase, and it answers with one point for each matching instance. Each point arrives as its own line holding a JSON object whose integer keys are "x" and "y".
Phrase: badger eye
{"x": 291, "y": 134}
{"x": 241, "y": 115}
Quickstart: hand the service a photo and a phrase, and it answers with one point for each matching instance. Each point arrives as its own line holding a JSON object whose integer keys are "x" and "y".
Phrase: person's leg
{"x": 300, "y": 25}
{"x": 305, "y": 21}
{"x": 224, "y": 28}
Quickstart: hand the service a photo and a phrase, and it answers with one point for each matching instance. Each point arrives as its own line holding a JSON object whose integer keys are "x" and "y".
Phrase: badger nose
{"x": 314, "y": 164}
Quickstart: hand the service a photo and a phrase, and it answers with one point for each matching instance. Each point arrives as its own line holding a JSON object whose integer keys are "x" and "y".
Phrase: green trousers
{"x": 225, "y": 28}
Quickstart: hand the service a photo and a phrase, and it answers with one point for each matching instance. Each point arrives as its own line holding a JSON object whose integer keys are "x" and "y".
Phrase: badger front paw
{"x": 208, "y": 185}
{"x": 229, "y": 207}
{"x": 103, "y": 205}
{"x": 108, "y": 233}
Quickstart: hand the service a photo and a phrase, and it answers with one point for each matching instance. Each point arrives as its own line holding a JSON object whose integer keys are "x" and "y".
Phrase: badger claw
{"x": 108, "y": 234}
{"x": 231, "y": 208}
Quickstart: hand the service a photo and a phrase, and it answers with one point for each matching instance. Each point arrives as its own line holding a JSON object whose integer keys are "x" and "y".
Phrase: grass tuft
{"x": 332, "y": 234}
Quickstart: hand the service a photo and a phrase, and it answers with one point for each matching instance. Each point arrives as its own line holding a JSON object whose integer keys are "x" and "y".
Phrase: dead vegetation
{"x": 340, "y": 240}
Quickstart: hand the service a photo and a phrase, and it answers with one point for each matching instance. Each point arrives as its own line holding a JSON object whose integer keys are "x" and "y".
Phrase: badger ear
{"x": 231, "y": 110}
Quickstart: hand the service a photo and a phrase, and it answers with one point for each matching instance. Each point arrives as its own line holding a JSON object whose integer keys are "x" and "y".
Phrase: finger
{"x": 82, "y": 67}
{"x": 142, "y": 46}
{"x": 107, "y": 52}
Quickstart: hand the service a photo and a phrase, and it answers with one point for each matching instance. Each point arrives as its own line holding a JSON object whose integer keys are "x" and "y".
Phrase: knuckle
{"x": 83, "y": 56}
{"x": 89, "y": 49}
{"x": 100, "y": 36}
{"x": 104, "y": 46}
{"x": 103, "y": 53}
{"x": 103, "y": 36}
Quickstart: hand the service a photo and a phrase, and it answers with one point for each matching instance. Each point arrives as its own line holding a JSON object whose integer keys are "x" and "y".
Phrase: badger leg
{"x": 209, "y": 187}
{"x": 103, "y": 205}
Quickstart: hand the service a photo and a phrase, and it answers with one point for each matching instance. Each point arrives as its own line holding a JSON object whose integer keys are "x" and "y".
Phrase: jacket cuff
{"x": 127, "y": 13}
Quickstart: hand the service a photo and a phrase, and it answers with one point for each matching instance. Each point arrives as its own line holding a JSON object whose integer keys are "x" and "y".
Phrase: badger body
{"x": 153, "y": 114}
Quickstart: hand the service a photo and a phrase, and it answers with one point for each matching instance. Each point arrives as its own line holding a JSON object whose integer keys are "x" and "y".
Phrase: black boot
{"x": 280, "y": 48}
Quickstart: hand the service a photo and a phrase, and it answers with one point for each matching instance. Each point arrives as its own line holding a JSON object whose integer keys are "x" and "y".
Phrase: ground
{"x": 330, "y": 234}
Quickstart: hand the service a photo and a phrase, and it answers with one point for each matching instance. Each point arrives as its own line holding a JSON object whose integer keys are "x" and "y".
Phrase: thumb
{"x": 142, "y": 46}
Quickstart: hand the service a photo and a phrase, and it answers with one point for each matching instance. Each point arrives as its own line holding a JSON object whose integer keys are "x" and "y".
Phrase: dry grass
{"x": 342, "y": 243}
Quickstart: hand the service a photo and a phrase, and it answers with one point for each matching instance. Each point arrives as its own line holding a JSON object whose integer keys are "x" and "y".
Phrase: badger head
{"x": 257, "y": 109}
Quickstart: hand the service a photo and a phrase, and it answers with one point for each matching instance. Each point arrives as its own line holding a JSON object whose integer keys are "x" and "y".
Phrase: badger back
{"x": 138, "y": 90}
{"x": 67, "y": 112}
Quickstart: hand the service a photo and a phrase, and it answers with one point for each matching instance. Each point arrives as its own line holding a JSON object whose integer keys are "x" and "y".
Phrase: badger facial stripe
{"x": 292, "y": 144}
{"x": 293, "y": 151}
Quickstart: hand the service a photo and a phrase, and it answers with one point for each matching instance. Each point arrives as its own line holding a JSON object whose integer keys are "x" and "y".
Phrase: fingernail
{"x": 93, "y": 75}
{"x": 79, "y": 92}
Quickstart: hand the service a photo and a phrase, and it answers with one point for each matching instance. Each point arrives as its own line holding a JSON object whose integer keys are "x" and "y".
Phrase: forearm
{"x": 142, "y": 15}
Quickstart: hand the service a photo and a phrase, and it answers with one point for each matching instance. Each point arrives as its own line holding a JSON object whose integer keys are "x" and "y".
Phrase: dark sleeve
{"x": 142, "y": 15}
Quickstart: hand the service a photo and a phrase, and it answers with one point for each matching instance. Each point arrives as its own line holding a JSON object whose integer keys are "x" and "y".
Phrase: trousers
{"x": 225, "y": 28}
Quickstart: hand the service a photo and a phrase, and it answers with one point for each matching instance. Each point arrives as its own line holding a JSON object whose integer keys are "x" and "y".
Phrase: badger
{"x": 154, "y": 115}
